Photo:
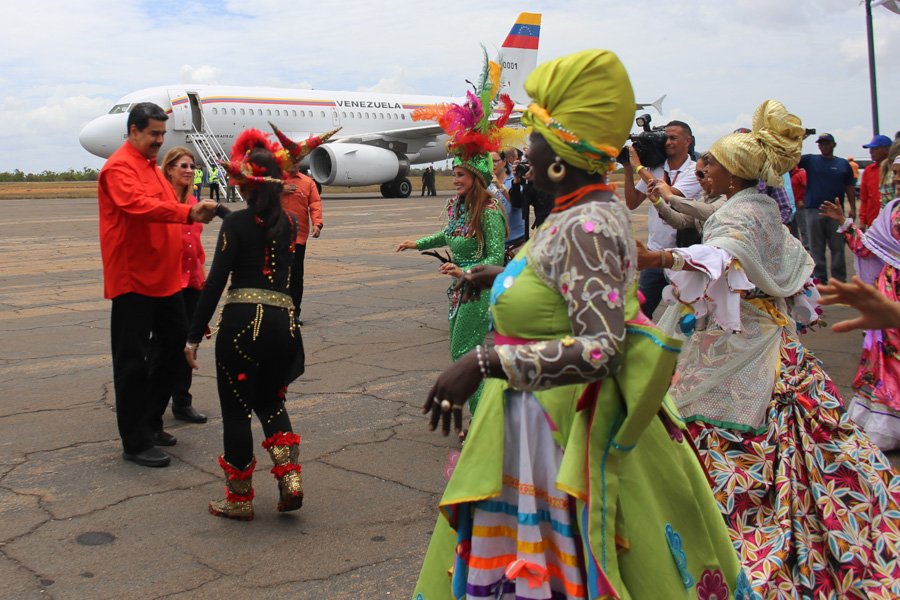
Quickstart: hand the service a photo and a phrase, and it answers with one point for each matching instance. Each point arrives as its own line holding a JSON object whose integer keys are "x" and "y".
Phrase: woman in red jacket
{"x": 178, "y": 166}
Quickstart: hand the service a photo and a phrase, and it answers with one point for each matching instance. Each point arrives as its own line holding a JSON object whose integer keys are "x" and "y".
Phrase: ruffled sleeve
{"x": 587, "y": 257}
{"x": 714, "y": 289}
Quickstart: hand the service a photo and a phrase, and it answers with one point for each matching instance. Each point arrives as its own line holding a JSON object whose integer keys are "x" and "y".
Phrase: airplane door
{"x": 335, "y": 119}
{"x": 182, "y": 119}
{"x": 196, "y": 110}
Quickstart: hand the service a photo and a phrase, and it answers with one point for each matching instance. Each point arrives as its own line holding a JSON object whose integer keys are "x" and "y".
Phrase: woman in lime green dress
{"x": 575, "y": 480}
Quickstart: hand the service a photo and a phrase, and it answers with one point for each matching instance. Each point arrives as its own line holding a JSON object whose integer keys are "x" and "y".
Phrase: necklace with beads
{"x": 569, "y": 200}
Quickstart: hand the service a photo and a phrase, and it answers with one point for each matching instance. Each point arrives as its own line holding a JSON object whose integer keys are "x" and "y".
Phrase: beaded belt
{"x": 258, "y": 296}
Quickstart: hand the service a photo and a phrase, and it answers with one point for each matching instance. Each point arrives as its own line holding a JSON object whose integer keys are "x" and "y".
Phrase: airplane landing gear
{"x": 401, "y": 188}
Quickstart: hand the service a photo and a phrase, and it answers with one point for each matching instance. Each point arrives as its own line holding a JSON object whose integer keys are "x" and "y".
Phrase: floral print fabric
{"x": 812, "y": 505}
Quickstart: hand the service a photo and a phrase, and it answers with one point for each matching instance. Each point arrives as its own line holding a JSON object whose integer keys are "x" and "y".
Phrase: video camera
{"x": 522, "y": 168}
{"x": 650, "y": 144}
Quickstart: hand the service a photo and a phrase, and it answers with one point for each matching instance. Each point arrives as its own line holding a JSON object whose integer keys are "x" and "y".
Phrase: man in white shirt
{"x": 678, "y": 172}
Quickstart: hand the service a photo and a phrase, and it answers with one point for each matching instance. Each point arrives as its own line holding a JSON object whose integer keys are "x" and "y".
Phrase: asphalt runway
{"x": 76, "y": 521}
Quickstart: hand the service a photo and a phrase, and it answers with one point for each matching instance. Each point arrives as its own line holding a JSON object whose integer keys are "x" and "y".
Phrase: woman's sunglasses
{"x": 186, "y": 166}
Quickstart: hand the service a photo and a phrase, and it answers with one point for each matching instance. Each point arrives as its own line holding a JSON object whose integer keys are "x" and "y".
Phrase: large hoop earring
{"x": 557, "y": 171}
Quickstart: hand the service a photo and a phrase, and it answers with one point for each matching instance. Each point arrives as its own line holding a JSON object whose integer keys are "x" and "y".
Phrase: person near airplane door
{"x": 140, "y": 242}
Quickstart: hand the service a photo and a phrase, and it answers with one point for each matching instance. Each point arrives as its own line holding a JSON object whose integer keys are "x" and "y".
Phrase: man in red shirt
{"x": 140, "y": 241}
{"x": 869, "y": 192}
{"x": 301, "y": 199}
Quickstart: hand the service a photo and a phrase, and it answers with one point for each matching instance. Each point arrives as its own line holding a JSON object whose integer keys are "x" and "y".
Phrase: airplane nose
{"x": 103, "y": 135}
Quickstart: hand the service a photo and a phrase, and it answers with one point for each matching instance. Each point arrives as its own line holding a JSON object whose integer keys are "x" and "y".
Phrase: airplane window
{"x": 295, "y": 112}
{"x": 323, "y": 114}
{"x": 367, "y": 115}
{"x": 403, "y": 116}
{"x": 380, "y": 115}
{"x": 359, "y": 115}
{"x": 242, "y": 111}
{"x": 119, "y": 108}
{"x": 233, "y": 112}
{"x": 344, "y": 114}
{"x": 277, "y": 113}
{"x": 214, "y": 111}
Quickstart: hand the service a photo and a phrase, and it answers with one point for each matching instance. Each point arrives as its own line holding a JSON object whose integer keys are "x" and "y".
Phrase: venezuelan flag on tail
{"x": 518, "y": 55}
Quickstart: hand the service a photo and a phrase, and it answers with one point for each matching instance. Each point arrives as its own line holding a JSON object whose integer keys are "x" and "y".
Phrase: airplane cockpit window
{"x": 119, "y": 108}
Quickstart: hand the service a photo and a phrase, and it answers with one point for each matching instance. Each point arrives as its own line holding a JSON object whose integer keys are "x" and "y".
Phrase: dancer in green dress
{"x": 475, "y": 234}
{"x": 476, "y": 223}
{"x": 576, "y": 480}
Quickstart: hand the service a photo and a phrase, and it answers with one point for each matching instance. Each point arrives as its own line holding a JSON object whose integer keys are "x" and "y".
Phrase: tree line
{"x": 85, "y": 174}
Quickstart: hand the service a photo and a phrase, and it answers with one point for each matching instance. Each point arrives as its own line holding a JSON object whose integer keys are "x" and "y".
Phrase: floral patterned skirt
{"x": 812, "y": 505}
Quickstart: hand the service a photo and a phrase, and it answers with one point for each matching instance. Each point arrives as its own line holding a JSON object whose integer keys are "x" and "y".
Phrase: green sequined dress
{"x": 469, "y": 322}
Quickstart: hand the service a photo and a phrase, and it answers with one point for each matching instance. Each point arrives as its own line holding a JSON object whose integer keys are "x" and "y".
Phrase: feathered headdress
{"x": 288, "y": 154}
{"x": 293, "y": 152}
{"x": 239, "y": 168}
{"x": 473, "y": 136}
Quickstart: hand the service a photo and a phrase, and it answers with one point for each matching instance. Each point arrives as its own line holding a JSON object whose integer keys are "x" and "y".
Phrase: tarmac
{"x": 76, "y": 521}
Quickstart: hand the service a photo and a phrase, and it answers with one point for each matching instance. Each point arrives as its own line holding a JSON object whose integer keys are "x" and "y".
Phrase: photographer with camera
{"x": 524, "y": 195}
{"x": 677, "y": 172}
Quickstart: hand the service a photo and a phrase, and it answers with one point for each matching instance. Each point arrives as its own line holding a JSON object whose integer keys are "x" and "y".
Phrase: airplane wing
{"x": 417, "y": 133}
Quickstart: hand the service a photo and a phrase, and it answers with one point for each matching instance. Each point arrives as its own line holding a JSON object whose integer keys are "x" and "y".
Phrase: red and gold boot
{"x": 284, "y": 448}
{"x": 238, "y": 502}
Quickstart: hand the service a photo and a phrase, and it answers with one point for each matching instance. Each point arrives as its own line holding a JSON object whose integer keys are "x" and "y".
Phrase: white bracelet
{"x": 677, "y": 261}
{"x": 482, "y": 361}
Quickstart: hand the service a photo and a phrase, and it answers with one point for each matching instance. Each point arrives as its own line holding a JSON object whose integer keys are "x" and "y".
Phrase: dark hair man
{"x": 828, "y": 177}
{"x": 678, "y": 173}
{"x": 140, "y": 241}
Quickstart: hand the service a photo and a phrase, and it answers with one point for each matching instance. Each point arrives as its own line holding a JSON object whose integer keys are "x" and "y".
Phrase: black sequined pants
{"x": 254, "y": 350}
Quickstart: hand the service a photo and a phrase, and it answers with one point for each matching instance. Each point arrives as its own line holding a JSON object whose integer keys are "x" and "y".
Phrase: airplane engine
{"x": 353, "y": 164}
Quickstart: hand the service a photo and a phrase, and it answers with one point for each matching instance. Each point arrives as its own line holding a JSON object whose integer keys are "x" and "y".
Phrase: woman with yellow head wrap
{"x": 574, "y": 481}
{"x": 758, "y": 406}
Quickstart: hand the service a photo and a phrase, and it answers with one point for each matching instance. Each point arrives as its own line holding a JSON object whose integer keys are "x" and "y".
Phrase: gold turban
{"x": 769, "y": 151}
{"x": 583, "y": 106}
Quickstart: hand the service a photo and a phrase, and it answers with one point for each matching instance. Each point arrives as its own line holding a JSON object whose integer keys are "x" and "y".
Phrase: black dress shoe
{"x": 151, "y": 457}
{"x": 187, "y": 413}
{"x": 163, "y": 438}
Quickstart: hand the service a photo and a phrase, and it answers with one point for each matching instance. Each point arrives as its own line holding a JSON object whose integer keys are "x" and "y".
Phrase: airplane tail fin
{"x": 518, "y": 55}
{"x": 658, "y": 104}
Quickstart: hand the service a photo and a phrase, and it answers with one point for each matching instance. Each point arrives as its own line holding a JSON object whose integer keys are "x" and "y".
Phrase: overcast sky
{"x": 64, "y": 63}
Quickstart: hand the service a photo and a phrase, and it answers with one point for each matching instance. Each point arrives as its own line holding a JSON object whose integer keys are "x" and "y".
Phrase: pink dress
{"x": 876, "y": 402}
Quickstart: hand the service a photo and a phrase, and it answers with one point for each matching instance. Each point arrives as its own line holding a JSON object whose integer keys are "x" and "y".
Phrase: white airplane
{"x": 376, "y": 145}
{"x": 378, "y": 140}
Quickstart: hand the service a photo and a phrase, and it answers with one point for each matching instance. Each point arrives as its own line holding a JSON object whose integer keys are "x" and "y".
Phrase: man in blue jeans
{"x": 828, "y": 177}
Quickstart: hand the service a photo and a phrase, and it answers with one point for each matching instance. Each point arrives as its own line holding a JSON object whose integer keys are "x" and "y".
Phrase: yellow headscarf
{"x": 769, "y": 151}
{"x": 583, "y": 106}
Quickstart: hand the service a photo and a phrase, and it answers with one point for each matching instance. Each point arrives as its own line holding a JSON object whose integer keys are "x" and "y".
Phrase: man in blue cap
{"x": 869, "y": 192}
{"x": 828, "y": 178}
